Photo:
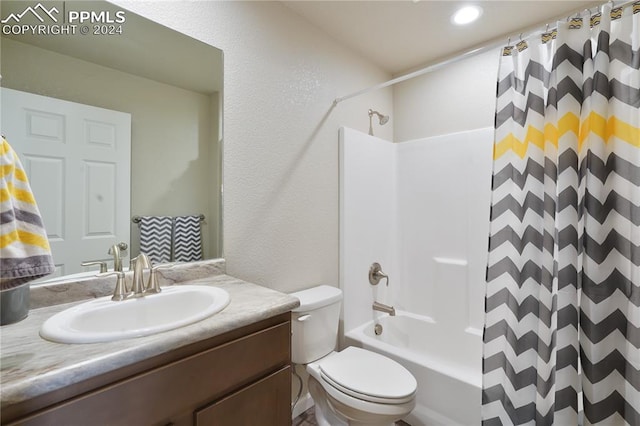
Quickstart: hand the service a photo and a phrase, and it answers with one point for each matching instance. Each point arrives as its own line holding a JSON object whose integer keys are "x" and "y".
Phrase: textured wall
{"x": 280, "y": 134}
{"x": 455, "y": 98}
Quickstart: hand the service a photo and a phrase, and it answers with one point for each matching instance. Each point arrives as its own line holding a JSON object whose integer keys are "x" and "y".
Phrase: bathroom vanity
{"x": 230, "y": 369}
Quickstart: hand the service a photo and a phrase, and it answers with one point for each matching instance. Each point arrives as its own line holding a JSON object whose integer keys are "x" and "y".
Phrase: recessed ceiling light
{"x": 467, "y": 14}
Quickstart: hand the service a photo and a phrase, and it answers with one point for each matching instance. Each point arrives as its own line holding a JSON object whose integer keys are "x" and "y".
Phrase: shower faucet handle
{"x": 376, "y": 274}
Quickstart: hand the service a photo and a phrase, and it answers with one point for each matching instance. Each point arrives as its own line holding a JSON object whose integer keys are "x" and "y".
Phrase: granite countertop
{"x": 31, "y": 366}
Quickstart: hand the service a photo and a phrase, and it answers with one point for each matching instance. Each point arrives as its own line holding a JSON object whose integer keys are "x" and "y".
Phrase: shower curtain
{"x": 563, "y": 276}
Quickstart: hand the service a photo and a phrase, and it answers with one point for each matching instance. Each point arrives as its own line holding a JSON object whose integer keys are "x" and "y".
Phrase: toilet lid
{"x": 369, "y": 376}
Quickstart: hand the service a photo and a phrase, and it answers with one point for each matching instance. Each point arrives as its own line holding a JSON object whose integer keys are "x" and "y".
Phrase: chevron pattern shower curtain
{"x": 562, "y": 302}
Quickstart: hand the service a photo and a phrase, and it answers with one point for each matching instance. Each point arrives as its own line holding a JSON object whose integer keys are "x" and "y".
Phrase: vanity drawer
{"x": 174, "y": 390}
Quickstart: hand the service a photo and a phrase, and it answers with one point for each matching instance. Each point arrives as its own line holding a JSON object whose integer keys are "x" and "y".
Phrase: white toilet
{"x": 351, "y": 387}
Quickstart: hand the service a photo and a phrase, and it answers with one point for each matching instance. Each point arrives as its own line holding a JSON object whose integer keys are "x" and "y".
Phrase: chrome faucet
{"x": 141, "y": 263}
{"x": 384, "y": 308}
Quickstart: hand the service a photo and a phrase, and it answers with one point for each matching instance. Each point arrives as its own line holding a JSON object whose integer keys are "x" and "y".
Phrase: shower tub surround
{"x": 421, "y": 210}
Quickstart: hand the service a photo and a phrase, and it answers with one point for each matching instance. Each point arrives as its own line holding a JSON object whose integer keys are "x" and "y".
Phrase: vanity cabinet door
{"x": 172, "y": 393}
{"x": 265, "y": 403}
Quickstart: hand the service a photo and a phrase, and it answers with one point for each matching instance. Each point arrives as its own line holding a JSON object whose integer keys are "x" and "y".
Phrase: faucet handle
{"x": 152, "y": 285}
{"x": 103, "y": 265}
{"x": 120, "y": 292}
{"x": 376, "y": 274}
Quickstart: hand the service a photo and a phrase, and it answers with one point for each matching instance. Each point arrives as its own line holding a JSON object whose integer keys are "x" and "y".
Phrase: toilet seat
{"x": 368, "y": 376}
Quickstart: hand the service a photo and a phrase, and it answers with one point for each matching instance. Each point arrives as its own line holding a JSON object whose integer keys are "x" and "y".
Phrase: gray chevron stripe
{"x": 568, "y": 237}
{"x": 527, "y": 341}
{"x": 510, "y": 204}
{"x": 517, "y": 415}
{"x": 614, "y": 403}
{"x": 565, "y": 357}
{"x": 616, "y": 281}
{"x": 512, "y": 112}
{"x": 530, "y": 236}
{"x": 567, "y": 277}
{"x": 599, "y": 211}
{"x": 613, "y": 241}
{"x": 565, "y": 53}
{"x": 616, "y": 321}
{"x": 530, "y": 270}
{"x": 522, "y": 379}
{"x": 614, "y": 361}
{"x": 568, "y": 198}
{"x": 596, "y": 167}
{"x": 534, "y": 70}
{"x": 9, "y": 216}
{"x": 566, "y": 87}
{"x": 568, "y": 159}
{"x": 532, "y": 169}
{"x": 623, "y": 52}
{"x": 567, "y": 317}
{"x": 492, "y": 422}
{"x": 529, "y": 305}
{"x": 613, "y": 89}
{"x": 564, "y": 398}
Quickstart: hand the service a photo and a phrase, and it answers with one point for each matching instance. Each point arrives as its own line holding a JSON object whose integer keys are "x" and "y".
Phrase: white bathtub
{"x": 446, "y": 364}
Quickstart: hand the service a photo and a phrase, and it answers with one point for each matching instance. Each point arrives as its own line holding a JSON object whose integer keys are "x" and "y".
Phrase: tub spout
{"x": 384, "y": 308}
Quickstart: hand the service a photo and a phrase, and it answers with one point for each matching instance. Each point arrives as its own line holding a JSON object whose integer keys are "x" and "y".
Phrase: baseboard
{"x": 303, "y": 405}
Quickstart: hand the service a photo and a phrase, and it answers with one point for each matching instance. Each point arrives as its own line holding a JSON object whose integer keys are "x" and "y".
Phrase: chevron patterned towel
{"x": 155, "y": 237}
{"x": 24, "y": 248}
{"x": 187, "y": 240}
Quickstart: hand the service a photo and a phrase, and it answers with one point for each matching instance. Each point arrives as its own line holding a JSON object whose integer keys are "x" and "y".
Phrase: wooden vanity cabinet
{"x": 242, "y": 377}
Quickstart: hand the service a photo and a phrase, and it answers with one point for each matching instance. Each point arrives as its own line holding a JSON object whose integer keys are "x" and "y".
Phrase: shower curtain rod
{"x": 473, "y": 52}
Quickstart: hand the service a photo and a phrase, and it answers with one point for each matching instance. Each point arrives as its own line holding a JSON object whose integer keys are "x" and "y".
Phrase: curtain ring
{"x": 520, "y": 36}
{"x": 508, "y": 41}
{"x": 546, "y": 30}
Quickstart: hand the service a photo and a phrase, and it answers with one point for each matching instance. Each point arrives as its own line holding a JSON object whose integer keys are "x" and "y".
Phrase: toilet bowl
{"x": 353, "y": 386}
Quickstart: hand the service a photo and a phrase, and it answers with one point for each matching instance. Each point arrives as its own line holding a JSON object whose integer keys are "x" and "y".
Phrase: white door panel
{"x": 77, "y": 158}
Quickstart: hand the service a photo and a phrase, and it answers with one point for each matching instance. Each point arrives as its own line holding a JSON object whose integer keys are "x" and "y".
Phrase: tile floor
{"x": 307, "y": 419}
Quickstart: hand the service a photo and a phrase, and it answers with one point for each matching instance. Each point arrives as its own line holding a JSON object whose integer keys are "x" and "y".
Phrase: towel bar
{"x": 136, "y": 219}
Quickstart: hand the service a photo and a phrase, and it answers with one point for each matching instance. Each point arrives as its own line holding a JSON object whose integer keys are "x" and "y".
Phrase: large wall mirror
{"x": 165, "y": 86}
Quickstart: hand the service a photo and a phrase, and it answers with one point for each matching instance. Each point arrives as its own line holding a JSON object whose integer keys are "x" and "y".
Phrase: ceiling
{"x": 402, "y": 35}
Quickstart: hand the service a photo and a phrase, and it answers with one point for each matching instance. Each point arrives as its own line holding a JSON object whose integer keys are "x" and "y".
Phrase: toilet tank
{"x": 314, "y": 324}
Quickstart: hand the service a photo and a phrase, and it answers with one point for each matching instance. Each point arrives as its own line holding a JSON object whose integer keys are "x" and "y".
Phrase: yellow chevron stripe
{"x": 25, "y": 238}
{"x": 8, "y": 169}
{"x": 594, "y": 123}
{"x": 511, "y": 143}
{"x": 605, "y": 129}
{"x": 4, "y": 147}
{"x": 10, "y": 192}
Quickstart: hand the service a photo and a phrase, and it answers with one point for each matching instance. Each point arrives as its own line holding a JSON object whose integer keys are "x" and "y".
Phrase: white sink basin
{"x": 103, "y": 320}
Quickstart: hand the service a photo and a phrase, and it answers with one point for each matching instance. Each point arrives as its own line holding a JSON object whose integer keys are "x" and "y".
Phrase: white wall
{"x": 458, "y": 97}
{"x": 280, "y": 134}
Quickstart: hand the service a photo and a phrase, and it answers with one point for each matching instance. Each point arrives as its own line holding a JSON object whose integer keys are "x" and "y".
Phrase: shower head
{"x": 383, "y": 119}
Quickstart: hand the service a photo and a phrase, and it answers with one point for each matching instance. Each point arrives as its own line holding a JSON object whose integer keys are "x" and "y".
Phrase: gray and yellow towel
{"x": 24, "y": 248}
